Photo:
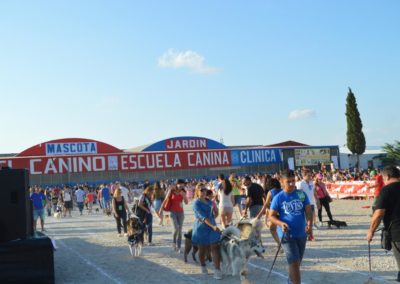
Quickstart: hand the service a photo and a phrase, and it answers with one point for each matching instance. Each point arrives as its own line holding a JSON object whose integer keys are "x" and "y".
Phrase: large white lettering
{"x": 149, "y": 161}
{"x": 209, "y": 158}
{"x": 32, "y": 169}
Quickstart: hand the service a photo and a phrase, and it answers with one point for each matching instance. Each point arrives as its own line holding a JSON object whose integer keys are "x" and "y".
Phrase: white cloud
{"x": 186, "y": 59}
{"x": 301, "y": 113}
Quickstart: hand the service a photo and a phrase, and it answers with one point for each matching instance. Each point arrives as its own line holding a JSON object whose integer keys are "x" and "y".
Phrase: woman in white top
{"x": 226, "y": 201}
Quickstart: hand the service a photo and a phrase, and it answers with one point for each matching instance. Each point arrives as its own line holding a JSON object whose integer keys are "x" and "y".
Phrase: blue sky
{"x": 130, "y": 73}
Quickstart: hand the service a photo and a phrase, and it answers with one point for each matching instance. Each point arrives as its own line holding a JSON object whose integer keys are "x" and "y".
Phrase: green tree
{"x": 355, "y": 135}
{"x": 392, "y": 154}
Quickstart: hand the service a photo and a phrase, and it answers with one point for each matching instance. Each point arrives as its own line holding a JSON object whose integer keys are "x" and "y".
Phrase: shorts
{"x": 38, "y": 213}
{"x": 225, "y": 210}
{"x": 294, "y": 248}
{"x": 68, "y": 204}
{"x": 237, "y": 199}
{"x": 243, "y": 201}
{"x": 157, "y": 204}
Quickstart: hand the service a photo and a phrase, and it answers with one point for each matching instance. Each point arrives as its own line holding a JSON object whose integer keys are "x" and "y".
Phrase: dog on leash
{"x": 189, "y": 245}
{"x": 238, "y": 244}
{"x": 336, "y": 223}
{"x": 58, "y": 214}
{"x": 135, "y": 235}
{"x": 107, "y": 211}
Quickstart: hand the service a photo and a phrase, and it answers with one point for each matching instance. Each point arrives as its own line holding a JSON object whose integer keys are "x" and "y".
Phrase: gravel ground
{"x": 89, "y": 251}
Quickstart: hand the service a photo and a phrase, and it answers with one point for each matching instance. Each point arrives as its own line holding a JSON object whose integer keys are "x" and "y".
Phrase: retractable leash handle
{"x": 276, "y": 255}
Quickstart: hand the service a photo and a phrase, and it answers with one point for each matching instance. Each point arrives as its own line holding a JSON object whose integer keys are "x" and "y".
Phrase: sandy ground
{"x": 89, "y": 251}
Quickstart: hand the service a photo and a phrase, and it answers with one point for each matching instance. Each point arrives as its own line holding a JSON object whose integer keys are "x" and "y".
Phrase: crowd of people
{"x": 291, "y": 202}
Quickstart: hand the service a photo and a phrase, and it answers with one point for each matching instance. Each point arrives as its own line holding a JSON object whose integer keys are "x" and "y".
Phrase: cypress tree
{"x": 355, "y": 135}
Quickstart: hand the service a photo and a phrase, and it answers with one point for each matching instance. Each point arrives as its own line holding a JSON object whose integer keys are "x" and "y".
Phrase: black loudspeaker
{"x": 15, "y": 205}
{"x": 28, "y": 260}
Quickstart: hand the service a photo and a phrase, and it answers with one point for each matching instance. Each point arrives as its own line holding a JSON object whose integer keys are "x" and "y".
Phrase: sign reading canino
{"x": 71, "y": 148}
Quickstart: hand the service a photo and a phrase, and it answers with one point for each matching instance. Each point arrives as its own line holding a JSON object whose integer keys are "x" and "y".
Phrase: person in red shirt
{"x": 176, "y": 195}
{"x": 90, "y": 199}
{"x": 377, "y": 185}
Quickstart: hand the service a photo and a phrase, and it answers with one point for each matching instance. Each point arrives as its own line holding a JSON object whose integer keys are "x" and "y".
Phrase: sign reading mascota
{"x": 71, "y": 148}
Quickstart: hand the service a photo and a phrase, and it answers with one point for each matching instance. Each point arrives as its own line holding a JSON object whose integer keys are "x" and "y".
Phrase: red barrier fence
{"x": 355, "y": 189}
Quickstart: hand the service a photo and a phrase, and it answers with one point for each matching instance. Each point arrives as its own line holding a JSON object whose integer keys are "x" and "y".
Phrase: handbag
{"x": 386, "y": 238}
{"x": 168, "y": 204}
{"x": 329, "y": 198}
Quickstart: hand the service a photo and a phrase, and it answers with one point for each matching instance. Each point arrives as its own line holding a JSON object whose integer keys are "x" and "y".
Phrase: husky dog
{"x": 135, "y": 235}
{"x": 238, "y": 244}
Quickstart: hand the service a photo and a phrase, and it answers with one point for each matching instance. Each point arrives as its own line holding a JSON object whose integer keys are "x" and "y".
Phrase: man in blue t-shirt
{"x": 289, "y": 210}
{"x": 105, "y": 198}
{"x": 39, "y": 202}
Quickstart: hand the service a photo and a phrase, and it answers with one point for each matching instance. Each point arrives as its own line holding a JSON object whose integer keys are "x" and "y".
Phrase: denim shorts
{"x": 38, "y": 213}
{"x": 294, "y": 248}
{"x": 238, "y": 199}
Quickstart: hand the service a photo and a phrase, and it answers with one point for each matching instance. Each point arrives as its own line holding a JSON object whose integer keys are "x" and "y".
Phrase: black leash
{"x": 276, "y": 256}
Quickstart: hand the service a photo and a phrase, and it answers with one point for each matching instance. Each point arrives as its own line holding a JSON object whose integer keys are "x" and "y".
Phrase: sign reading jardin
{"x": 71, "y": 148}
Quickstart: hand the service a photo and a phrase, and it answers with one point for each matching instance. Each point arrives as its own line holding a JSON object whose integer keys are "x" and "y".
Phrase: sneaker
{"x": 125, "y": 235}
{"x": 119, "y": 235}
{"x": 217, "y": 274}
{"x": 178, "y": 251}
{"x": 315, "y": 227}
{"x": 174, "y": 247}
{"x": 151, "y": 244}
{"x": 204, "y": 269}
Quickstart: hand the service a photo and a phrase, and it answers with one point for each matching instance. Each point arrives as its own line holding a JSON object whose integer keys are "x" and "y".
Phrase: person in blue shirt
{"x": 291, "y": 211}
{"x": 206, "y": 233}
{"x": 38, "y": 203}
{"x": 105, "y": 198}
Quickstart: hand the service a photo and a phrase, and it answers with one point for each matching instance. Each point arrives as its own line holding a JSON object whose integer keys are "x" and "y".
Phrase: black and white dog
{"x": 135, "y": 235}
{"x": 238, "y": 244}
